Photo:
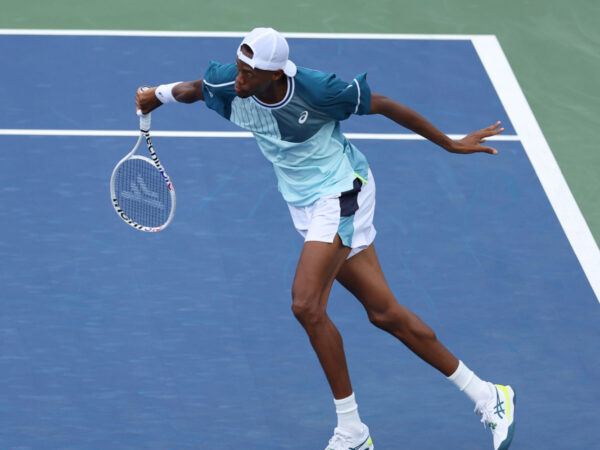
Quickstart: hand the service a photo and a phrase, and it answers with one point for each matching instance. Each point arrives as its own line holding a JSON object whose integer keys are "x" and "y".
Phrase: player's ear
{"x": 277, "y": 74}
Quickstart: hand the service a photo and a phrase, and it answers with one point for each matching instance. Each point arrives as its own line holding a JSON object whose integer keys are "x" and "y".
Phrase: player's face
{"x": 251, "y": 81}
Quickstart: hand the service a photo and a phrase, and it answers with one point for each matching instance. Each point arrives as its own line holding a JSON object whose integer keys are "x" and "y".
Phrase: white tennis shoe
{"x": 341, "y": 440}
{"x": 499, "y": 415}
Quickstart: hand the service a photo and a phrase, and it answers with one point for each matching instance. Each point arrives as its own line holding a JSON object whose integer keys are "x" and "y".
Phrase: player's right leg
{"x": 317, "y": 268}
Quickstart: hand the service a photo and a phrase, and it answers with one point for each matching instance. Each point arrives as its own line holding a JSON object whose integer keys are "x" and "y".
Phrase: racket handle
{"x": 145, "y": 120}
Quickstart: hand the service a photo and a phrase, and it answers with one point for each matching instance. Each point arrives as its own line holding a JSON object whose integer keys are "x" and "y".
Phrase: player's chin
{"x": 242, "y": 94}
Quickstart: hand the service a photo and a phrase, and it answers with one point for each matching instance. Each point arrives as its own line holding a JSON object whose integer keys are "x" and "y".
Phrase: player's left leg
{"x": 363, "y": 277}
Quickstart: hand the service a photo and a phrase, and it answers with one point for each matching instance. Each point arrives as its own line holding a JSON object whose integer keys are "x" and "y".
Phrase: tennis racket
{"x": 141, "y": 191}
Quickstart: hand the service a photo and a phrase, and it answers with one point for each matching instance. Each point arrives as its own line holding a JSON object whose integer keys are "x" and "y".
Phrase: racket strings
{"x": 142, "y": 193}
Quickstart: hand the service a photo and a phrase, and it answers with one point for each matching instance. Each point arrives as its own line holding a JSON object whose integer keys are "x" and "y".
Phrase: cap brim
{"x": 290, "y": 68}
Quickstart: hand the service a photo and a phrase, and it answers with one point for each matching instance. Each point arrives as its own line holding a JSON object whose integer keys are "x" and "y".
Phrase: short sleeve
{"x": 218, "y": 87}
{"x": 333, "y": 96}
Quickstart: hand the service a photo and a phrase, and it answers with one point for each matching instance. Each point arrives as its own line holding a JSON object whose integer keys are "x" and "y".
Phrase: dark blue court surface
{"x": 112, "y": 338}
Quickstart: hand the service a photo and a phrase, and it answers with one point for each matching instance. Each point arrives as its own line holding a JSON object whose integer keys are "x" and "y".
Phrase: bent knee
{"x": 307, "y": 308}
{"x": 386, "y": 320}
{"x": 402, "y": 324}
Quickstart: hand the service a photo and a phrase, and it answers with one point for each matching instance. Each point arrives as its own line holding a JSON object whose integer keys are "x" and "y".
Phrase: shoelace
{"x": 486, "y": 415}
{"x": 339, "y": 437}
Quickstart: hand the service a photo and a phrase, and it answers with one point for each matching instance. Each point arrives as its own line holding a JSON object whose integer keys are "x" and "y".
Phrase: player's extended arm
{"x": 403, "y": 115}
{"x": 184, "y": 92}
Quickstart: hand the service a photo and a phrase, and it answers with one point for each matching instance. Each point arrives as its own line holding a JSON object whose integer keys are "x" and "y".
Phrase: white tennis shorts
{"x": 349, "y": 214}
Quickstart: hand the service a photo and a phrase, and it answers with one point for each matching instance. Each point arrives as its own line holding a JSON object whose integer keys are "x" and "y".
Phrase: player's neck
{"x": 275, "y": 93}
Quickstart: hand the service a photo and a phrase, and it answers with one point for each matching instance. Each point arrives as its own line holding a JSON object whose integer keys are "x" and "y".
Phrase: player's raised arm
{"x": 408, "y": 118}
{"x": 183, "y": 92}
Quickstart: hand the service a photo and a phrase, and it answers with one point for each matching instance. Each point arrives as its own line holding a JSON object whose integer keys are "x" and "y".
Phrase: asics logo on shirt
{"x": 303, "y": 117}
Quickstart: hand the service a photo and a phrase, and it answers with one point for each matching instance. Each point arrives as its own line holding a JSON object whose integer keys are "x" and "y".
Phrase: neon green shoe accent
{"x": 508, "y": 399}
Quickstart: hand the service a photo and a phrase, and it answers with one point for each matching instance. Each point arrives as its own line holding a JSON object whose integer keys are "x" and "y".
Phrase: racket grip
{"x": 145, "y": 120}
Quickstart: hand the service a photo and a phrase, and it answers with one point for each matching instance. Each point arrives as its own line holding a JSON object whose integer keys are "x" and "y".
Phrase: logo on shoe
{"x": 498, "y": 409}
{"x": 359, "y": 446}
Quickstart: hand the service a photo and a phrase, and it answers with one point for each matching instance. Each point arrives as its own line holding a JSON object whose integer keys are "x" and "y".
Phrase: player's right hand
{"x": 145, "y": 99}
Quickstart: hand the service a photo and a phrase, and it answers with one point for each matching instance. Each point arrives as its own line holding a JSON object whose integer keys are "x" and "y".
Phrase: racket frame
{"x": 154, "y": 161}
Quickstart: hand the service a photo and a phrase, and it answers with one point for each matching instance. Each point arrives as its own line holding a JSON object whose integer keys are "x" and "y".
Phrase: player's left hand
{"x": 471, "y": 143}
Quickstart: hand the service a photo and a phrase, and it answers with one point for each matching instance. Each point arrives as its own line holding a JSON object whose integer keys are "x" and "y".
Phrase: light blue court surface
{"x": 112, "y": 338}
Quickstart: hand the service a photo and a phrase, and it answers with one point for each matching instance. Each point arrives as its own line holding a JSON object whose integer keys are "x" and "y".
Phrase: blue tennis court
{"x": 112, "y": 338}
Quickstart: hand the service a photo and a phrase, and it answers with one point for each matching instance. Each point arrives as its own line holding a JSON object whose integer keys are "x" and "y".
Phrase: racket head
{"x": 142, "y": 194}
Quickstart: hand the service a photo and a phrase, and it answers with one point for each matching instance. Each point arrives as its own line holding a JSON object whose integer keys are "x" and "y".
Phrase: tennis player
{"x": 294, "y": 114}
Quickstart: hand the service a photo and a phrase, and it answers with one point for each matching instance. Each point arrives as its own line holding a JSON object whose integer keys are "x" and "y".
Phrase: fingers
{"x": 464, "y": 148}
{"x": 489, "y": 150}
{"x": 145, "y": 100}
{"x": 480, "y": 136}
{"x": 477, "y": 148}
{"x": 472, "y": 143}
{"x": 492, "y": 130}
{"x": 138, "y": 107}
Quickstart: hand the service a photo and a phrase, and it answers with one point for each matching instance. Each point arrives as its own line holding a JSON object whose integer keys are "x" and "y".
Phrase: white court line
{"x": 232, "y": 34}
{"x": 541, "y": 157}
{"x": 222, "y": 134}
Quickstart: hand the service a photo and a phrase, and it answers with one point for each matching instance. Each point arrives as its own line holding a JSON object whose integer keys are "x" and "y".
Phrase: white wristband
{"x": 164, "y": 92}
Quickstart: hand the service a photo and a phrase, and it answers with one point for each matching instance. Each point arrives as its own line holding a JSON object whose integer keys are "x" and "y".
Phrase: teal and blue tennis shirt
{"x": 300, "y": 135}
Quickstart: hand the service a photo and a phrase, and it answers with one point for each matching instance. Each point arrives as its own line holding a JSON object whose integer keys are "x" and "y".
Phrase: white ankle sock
{"x": 476, "y": 389}
{"x": 347, "y": 414}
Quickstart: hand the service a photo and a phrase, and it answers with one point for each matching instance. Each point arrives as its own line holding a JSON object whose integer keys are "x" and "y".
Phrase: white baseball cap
{"x": 270, "y": 51}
